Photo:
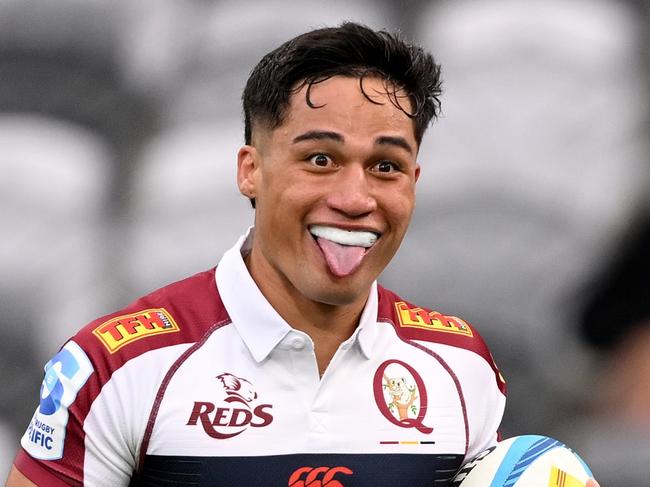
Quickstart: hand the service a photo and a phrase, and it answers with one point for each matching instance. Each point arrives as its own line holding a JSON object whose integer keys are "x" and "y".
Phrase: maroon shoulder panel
{"x": 415, "y": 323}
{"x": 181, "y": 312}
{"x": 178, "y": 313}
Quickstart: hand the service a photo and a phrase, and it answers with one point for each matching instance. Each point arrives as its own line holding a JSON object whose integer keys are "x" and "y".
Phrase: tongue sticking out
{"x": 342, "y": 260}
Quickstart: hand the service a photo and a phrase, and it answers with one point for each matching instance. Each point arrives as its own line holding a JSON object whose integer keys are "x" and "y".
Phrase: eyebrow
{"x": 396, "y": 141}
{"x": 335, "y": 136}
{"x": 318, "y": 135}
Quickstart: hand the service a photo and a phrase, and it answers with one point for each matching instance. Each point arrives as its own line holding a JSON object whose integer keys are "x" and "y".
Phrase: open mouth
{"x": 343, "y": 250}
{"x": 355, "y": 238}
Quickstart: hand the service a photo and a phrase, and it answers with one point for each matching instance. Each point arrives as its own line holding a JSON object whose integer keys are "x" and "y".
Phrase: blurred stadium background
{"x": 119, "y": 126}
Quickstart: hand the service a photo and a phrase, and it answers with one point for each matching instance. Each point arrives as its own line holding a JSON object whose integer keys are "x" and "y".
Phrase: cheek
{"x": 282, "y": 211}
{"x": 296, "y": 199}
{"x": 287, "y": 184}
{"x": 399, "y": 211}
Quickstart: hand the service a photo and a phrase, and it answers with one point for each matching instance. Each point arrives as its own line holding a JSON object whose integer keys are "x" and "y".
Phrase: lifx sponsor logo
{"x": 235, "y": 414}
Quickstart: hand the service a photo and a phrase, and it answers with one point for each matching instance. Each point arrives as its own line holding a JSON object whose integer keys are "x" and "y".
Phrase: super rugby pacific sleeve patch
{"x": 65, "y": 375}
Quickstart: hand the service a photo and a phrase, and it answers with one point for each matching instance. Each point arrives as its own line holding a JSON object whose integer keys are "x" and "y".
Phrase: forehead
{"x": 360, "y": 105}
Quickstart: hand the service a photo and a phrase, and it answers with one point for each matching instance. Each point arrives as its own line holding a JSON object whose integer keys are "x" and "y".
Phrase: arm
{"x": 54, "y": 450}
{"x": 17, "y": 479}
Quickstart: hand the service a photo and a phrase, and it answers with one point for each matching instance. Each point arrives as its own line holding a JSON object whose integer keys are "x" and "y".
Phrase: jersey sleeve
{"x": 485, "y": 400}
{"x": 481, "y": 385}
{"x": 54, "y": 447}
{"x": 98, "y": 390}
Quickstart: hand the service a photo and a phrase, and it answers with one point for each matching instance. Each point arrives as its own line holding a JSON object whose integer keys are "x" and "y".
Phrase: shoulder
{"x": 415, "y": 323}
{"x": 418, "y": 323}
{"x": 179, "y": 313}
{"x": 116, "y": 362}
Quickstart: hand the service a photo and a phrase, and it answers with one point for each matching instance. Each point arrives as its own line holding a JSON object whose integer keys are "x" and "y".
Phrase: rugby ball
{"x": 525, "y": 461}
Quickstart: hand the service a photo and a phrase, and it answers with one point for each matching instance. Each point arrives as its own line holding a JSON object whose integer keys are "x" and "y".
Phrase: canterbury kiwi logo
{"x": 318, "y": 476}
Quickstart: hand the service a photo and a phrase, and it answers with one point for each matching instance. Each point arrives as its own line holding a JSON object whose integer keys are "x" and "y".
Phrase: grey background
{"x": 119, "y": 126}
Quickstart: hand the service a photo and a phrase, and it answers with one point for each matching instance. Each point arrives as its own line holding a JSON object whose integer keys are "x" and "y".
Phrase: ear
{"x": 248, "y": 163}
{"x": 417, "y": 172}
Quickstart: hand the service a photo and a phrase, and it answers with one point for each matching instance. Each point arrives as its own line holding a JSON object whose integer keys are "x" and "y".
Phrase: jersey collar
{"x": 259, "y": 325}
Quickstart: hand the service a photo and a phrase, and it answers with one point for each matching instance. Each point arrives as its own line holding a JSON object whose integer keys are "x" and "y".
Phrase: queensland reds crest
{"x": 238, "y": 410}
{"x": 400, "y": 395}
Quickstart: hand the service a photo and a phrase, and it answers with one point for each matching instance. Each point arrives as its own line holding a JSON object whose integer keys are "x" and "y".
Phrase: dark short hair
{"x": 348, "y": 50}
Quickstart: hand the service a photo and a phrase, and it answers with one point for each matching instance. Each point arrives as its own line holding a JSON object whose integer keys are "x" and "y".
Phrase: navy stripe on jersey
{"x": 349, "y": 470}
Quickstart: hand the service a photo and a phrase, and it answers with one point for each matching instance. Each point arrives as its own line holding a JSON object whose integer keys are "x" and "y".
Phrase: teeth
{"x": 344, "y": 237}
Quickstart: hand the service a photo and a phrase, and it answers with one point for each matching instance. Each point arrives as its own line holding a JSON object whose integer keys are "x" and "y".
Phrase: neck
{"x": 328, "y": 325}
{"x": 301, "y": 312}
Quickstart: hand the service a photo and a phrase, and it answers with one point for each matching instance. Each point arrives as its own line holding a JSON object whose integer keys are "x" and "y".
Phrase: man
{"x": 288, "y": 365}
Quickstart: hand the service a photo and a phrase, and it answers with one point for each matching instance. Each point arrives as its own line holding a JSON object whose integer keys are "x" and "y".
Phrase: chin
{"x": 336, "y": 292}
{"x": 337, "y": 297}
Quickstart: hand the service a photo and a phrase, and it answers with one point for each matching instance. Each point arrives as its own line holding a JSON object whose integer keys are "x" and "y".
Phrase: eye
{"x": 385, "y": 167}
{"x": 320, "y": 160}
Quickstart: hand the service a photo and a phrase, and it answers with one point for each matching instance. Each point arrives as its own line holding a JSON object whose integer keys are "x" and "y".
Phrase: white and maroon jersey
{"x": 203, "y": 383}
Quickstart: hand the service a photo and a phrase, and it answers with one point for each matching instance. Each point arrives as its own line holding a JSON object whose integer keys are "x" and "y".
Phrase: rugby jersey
{"x": 203, "y": 383}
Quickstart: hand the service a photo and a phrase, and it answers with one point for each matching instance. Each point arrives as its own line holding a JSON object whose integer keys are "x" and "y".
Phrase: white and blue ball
{"x": 525, "y": 461}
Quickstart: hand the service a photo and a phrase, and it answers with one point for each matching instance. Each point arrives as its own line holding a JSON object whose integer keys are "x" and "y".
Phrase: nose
{"x": 351, "y": 193}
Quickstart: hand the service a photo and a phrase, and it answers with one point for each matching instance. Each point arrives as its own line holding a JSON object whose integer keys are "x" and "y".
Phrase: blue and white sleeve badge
{"x": 65, "y": 375}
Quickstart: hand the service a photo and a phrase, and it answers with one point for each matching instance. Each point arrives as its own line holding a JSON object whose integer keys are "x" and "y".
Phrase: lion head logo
{"x": 237, "y": 387}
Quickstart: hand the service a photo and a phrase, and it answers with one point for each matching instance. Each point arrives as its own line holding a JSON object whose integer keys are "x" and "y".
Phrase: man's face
{"x": 334, "y": 188}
